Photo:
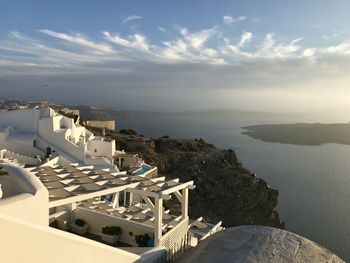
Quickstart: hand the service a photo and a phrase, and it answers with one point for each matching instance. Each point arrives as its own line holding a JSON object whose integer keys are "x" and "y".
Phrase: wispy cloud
{"x": 336, "y": 34}
{"x": 193, "y": 60}
{"x": 78, "y": 39}
{"x": 191, "y": 47}
{"x": 237, "y": 49}
{"x": 245, "y": 38}
{"x": 135, "y": 41}
{"x": 197, "y": 39}
{"x": 131, "y": 17}
{"x": 271, "y": 49}
{"x": 342, "y": 48}
{"x": 228, "y": 20}
{"x": 114, "y": 51}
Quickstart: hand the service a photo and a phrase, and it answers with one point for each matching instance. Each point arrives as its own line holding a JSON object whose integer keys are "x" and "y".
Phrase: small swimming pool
{"x": 142, "y": 170}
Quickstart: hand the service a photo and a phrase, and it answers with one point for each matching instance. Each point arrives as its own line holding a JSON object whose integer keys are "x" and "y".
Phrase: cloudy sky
{"x": 179, "y": 55}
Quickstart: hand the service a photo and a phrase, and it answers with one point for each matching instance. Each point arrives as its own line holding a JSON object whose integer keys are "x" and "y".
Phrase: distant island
{"x": 301, "y": 133}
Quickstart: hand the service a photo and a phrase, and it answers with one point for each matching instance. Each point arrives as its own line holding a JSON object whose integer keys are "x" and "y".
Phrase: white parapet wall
{"x": 100, "y": 162}
{"x": 110, "y": 124}
{"x": 21, "y": 148}
{"x": 23, "y": 241}
{"x": 99, "y": 147}
{"x": 32, "y": 203}
{"x": 25, "y": 120}
{"x": 97, "y": 221}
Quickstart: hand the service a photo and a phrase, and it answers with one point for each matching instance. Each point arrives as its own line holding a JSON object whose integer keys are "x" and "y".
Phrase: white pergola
{"x": 160, "y": 191}
{"x": 71, "y": 184}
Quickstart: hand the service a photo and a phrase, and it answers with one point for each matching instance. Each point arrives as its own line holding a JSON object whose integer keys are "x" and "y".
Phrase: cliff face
{"x": 225, "y": 189}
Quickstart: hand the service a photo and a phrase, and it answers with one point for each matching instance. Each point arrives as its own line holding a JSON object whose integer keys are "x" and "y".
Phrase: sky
{"x": 279, "y": 56}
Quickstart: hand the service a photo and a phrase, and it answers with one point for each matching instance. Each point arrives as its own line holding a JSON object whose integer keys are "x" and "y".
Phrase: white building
{"x": 42, "y": 132}
{"x": 56, "y": 210}
{"x": 102, "y": 124}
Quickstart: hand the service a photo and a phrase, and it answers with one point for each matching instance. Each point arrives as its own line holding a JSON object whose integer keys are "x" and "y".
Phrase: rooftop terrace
{"x": 82, "y": 187}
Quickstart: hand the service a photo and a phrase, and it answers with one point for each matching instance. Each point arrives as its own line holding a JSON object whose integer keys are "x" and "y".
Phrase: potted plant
{"x": 111, "y": 234}
{"x": 62, "y": 223}
{"x": 79, "y": 226}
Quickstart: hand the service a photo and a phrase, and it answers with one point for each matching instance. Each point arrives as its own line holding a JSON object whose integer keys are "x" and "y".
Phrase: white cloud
{"x": 135, "y": 41}
{"x": 336, "y": 33}
{"x": 78, "y": 39}
{"x": 175, "y": 49}
{"x": 206, "y": 46}
{"x": 22, "y": 44}
{"x": 342, "y": 48}
{"x": 228, "y": 20}
{"x": 271, "y": 49}
{"x": 197, "y": 39}
{"x": 197, "y": 61}
{"x": 131, "y": 17}
{"x": 308, "y": 52}
{"x": 245, "y": 39}
{"x": 191, "y": 47}
{"x": 236, "y": 49}
{"x": 187, "y": 47}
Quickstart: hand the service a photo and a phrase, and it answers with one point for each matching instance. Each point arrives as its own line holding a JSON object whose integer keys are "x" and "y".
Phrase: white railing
{"x": 176, "y": 239}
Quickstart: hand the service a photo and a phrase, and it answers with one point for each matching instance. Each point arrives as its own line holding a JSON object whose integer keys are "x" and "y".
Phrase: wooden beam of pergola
{"x": 85, "y": 196}
{"x": 164, "y": 194}
{"x": 177, "y": 188}
{"x": 143, "y": 191}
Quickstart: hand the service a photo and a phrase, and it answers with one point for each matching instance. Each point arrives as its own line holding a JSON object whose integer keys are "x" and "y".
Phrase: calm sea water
{"x": 313, "y": 181}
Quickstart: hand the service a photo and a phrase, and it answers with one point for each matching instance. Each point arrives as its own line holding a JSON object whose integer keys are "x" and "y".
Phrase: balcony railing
{"x": 176, "y": 241}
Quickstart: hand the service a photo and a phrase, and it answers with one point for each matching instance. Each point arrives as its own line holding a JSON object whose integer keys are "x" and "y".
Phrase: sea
{"x": 313, "y": 181}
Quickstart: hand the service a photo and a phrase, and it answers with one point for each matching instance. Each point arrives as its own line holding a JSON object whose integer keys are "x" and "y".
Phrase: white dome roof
{"x": 253, "y": 244}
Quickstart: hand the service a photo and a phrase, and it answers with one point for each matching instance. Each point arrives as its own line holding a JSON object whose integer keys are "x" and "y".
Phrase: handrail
{"x": 176, "y": 240}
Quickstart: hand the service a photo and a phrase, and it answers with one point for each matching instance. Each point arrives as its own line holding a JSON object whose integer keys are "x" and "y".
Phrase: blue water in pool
{"x": 142, "y": 170}
{"x": 313, "y": 181}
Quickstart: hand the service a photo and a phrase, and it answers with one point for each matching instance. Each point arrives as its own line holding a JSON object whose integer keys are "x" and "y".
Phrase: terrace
{"x": 98, "y": 197}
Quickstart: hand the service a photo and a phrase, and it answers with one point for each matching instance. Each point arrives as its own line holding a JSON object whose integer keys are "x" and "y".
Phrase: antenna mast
{"x": 45, "y": 93}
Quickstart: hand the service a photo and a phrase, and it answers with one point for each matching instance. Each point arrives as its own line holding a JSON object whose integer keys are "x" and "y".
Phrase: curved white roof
{"x": 259, "y": 244}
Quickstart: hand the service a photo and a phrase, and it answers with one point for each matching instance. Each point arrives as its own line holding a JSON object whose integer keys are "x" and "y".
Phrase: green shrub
{"x": 80, "y": 222}
{"x": 112, "y": 230}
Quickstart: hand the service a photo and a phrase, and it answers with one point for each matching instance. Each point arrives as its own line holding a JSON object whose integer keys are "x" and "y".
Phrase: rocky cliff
{"x": 225, "y": 189}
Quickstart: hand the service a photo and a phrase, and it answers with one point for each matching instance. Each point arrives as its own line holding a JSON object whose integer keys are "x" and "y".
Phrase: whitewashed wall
{"x": 20, "y": 148}
{"x": 33, "y": 203}
{"x": 25, "y": 120}
{"x": 97, "y": 221}
{"x": 23, "y": 241}
{"x": 58, "y": 141}
{"x": 102, "y": 124}
{"x": 101, "y": 148}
